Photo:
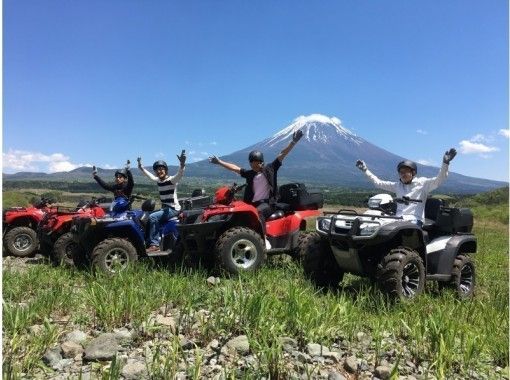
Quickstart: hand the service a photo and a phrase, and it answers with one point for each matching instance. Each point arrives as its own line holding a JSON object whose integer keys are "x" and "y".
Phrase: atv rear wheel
{"x": 63, "y": 250}
{"x": 402, "y": 273}
{"x": 240, "y": 249}
{"x": 319, "y": 264}
{"x": 113, "y": 255}
{"x": 463, "y": 276}
{"x": 21, "y": 241}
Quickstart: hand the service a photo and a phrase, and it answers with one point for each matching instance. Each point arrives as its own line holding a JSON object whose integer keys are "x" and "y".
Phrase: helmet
{"x": 160, "y": 163}
{"x": 408, "y": 164}
{"x": 255, "y": 155}
{"x": 383, "y": 202}
{"x": 120, "y": 204}
{"x": 122, "y": 172}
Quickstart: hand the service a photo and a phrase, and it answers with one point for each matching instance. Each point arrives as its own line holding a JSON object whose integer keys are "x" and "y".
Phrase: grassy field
{"x": 450, "y": 338}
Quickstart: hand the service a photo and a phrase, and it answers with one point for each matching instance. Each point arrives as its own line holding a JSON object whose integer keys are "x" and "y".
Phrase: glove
{"x": 94, "y": 170}
{"x": 361, "y": 165}
{"x": 296, "y": 136}
{"x": 128, "y": 163}
{"x": 139, "y": 160}
{"x": 449, "y": 155}
{"x": 182, "y": 158}
{"x": 214, "y": 160}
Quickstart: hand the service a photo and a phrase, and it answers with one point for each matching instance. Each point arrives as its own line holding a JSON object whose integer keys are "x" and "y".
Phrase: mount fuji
{"x": 326, "y": 154}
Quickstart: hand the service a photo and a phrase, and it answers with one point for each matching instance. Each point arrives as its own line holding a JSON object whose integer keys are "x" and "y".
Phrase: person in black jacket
{"x": 123, "y": 185}
{"x": 262, "y": 187}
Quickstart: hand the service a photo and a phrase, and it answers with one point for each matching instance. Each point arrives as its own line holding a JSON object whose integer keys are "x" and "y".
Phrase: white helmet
{"x": 383, "y": 202}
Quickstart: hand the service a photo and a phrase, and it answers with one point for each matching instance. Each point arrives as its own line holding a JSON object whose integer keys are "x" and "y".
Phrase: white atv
{"x": 393, "y": 250}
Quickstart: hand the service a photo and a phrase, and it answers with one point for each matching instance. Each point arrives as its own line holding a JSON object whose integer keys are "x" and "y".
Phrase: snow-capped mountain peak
{"x": 316, "y": 128}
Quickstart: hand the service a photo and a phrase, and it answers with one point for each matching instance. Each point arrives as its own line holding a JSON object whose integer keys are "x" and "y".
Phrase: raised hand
{"x": 296, "y": 136}
{"x": 214, "y": 160}
{"x": 139, "y": 160}
{"x": 94, "y": 170}
{"x": 128, "y": 163}
{"x": 449, "y": 155}
{"x": 182, "y": 158}
{"x": 360, "y": 164}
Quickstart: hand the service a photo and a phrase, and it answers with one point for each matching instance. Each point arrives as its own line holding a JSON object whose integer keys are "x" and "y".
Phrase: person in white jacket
{"x": 167, "y": 186}
{"x": 411, "y": 186}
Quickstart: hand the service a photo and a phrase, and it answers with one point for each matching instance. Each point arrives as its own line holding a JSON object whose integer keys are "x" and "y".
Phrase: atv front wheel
{"x": 402, "y": 273}
{"x": 240, "y": 249}
{"x": 319, "y": 264}
{"x": 463, "y": 276}
{"x": 113, "y": 255}
{"x": 63, "y": 250}
{"x": 21, "y": 241}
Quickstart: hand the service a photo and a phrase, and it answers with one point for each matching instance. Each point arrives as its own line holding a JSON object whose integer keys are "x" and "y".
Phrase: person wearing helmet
{"x": 262, "y": 188}
{"x": 167, "y": 186}
{"x": 411, "y": 186}
{"x": 123, "y": 185}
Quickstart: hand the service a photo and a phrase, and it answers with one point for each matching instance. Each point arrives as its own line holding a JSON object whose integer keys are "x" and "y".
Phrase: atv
{"x": 392, "y": 250}
{"x": 229, "y": 233}
{"x": 111, "y": 243}
{"x": 54, "y": 229}
{"x": 20, "y": 225}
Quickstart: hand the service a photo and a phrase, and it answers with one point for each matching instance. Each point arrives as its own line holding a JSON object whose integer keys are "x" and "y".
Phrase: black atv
{"x": 395, "y": 252}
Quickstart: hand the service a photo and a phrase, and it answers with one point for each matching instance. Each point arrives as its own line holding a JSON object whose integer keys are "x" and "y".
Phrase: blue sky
{"x": 97, "y": 82}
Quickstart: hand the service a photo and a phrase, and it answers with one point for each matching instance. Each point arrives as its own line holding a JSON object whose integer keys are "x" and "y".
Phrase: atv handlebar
{"x": 406, "y": 200}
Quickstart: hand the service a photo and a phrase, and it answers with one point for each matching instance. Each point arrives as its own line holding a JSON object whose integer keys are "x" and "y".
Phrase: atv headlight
{"x": 368, "y": 229}
{"x": 324, "y": 224}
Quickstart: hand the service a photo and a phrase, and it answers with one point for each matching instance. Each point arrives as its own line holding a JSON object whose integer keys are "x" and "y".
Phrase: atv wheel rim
{"x": 410, "y": 280}
{"x": 243, "y": 253}
{"x": 116, "y": 260}
{"x": 466, "y": 279}
{"x": 22, "y": 242}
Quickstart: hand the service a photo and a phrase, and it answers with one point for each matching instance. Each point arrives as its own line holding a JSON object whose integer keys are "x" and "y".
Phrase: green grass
{"x": 446, "y": 336}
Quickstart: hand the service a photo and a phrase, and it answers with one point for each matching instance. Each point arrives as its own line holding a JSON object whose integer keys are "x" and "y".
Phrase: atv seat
{"x": 432, "y": 207}
{"x": 279, "y": 211}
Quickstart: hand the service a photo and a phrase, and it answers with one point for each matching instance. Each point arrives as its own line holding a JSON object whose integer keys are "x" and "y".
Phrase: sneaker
{"x": 268, "y": 245}
{"x": 153, "y": 248}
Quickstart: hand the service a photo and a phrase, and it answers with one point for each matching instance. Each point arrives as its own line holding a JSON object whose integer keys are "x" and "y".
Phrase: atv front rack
{"x": 352, "y": 226}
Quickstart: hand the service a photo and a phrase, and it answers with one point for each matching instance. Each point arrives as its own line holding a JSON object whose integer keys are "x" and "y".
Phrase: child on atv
{"x": 262, "y": 189}
{"x": 167, "y": 186}
{"x": 411, "y": 187}
{"x": 123, "y": 185}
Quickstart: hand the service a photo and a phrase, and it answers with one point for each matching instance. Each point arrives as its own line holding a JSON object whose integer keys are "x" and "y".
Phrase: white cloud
{"x": 478, "y": 138}
{"x": 421, "y": 132}
{"x": 504, "y": 132}
{"x": 21, "y": 160}
{"x": 471, "y": 147}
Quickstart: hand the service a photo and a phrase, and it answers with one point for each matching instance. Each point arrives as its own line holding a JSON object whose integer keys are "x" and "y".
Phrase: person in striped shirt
{"x": 167, "y": 186}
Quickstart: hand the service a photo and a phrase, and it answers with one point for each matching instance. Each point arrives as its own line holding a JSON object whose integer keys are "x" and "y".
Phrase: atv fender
{"x": 128, "y": 230}
{"x": 440, "y": 261}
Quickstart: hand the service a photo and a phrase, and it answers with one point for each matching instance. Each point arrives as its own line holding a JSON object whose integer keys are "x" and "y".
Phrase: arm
{"x": 103, "y": 184}
{"x": 130, "y": 182}
{"x": 227, "y": 165}
{"x": 434, "y": 183}
{"x": 177, "y": 177}
{"x": 145, "y": 171}
{"x": 295, "y": 138}
{"x": 384, "y": 185}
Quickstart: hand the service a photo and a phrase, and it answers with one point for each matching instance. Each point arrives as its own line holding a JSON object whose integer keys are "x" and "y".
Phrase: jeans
{"x": 156, "y": 220}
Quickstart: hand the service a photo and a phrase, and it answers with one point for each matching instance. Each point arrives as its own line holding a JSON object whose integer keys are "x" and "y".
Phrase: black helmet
{"x": 121, "y": 172}
{"x": 255, "y": 155}
{"x": 408, "y": 164}
{"x": 160, "y": 163}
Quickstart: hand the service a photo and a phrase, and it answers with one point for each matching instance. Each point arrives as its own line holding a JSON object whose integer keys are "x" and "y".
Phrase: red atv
{"x": 20, "y": 225}
{"x": 54, "y": 230}
{"x": 230, "y": 230}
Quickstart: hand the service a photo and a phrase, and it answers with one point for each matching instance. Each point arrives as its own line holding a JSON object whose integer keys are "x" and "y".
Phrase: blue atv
{"x": 111, "y": 243}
